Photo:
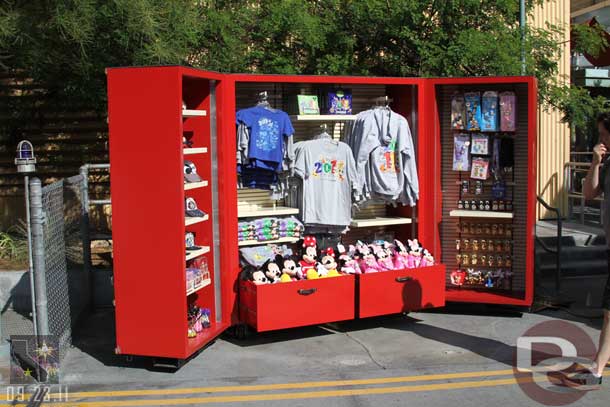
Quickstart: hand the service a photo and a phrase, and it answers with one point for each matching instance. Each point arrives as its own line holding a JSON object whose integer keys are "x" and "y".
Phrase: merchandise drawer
{"x": 390, "y": 292}
{"x": 299, "y": 303}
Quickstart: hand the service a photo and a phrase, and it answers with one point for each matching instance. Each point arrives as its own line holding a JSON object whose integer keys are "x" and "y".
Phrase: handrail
{"x": 557, "y": 251}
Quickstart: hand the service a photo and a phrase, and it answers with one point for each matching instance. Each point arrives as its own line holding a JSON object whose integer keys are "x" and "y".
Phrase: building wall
{"x": 553, "y": 136}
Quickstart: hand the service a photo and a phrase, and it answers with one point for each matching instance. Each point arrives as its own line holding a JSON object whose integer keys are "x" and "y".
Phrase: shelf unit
{"x": 188, "y": 221}
{"x": 193, "y": 254}
{"x": 520, "y": 189}
{"x": 276, "y": 241}
{"x": 154, "y": 207}
{"x": 380, "y": 221}
{"x": 204, "y": 283}
{"x": 194, "y": 113}
{"x": 324, "y": 117}
{"x": 462, "y": 213}
{"x": 195, "y": 150}
{"x": 258, "y": 212}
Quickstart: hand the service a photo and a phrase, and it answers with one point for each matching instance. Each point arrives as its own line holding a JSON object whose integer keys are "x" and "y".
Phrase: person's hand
{"x": 598, "y": 153}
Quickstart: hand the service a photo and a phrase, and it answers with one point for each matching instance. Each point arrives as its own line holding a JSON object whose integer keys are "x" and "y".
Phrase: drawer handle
{"x": 403, "y": 279}
{"x": 308, "y": 291}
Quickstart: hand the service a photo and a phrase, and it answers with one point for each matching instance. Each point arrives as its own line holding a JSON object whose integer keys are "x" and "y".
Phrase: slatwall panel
{"x": 283, "y": 96}
{"x": 450, "y": 183}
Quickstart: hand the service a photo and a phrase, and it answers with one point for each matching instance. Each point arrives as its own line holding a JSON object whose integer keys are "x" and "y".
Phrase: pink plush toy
{"x": 368, "y": 263}
{"x": 427, "y": 260}
{"x": 416, "y": 252}
{"x": 347, "y": 263}
{"x": 400, "y": 255}
{"x": 383, "y": 259}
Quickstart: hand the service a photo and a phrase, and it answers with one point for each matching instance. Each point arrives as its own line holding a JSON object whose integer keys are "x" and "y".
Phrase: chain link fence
{"x": 65, "y": 286}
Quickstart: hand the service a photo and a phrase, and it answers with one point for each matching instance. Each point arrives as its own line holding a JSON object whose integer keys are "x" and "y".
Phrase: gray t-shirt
{"x": 328, "y": 171}
{"x": 604, "y": 182}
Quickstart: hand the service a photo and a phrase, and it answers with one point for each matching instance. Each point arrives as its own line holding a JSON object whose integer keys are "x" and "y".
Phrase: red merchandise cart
{"x": 147, "y": 122}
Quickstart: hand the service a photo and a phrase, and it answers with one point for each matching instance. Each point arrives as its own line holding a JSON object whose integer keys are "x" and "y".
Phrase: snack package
{"x": 458, "y": 112}
{"x": 473, "y": 110}
{"x": 461, "y": 157}
{"x": 489, "y": 111}
{"x": 480, "y": 168}
{"x": 479, "y": 144}
{"x": 508, "y": 111}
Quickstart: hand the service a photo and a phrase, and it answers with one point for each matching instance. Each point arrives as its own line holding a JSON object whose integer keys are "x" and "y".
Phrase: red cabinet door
{"x": 391, "y": 292}
{"x": 299, "y": 303}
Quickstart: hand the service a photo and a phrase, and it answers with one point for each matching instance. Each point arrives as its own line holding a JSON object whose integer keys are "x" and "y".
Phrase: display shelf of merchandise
{"x": 195, "y": 150}
{"x": 193, "y": 113}
{"x": 205, "y": 336}
{"x": 195, "y": 185}
{"x": 276, "y": 241}
{"x": 379, "y": 221}
{"x": 192, "y": 220}
{"x": 460, "y": 213}
{"x": 324, "y": 117}
{"x": 190, "y": 255}
{"x": 204, "y": 283}
{"x": 486, "y": 183}
{"x": 253, "y": 212}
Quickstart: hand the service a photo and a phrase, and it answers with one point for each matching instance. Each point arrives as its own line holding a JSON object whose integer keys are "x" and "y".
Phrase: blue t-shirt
{"x": 267, "y": 131}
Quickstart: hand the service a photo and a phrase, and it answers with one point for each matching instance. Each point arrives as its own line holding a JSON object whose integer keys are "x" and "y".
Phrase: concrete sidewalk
{"x": 475, "y": 342}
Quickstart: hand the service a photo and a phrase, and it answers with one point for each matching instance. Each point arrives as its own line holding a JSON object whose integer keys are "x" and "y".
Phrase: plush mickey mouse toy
{"x": 272, "y": 271}
{"x": 309, "y": 258}
{"x": 254, "y": 275}
{"x": 291, "y": 270}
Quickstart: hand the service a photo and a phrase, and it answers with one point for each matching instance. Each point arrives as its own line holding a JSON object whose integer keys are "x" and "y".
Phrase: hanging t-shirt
{"x": 267, "y": 130}
{"x": 328, "y": 171}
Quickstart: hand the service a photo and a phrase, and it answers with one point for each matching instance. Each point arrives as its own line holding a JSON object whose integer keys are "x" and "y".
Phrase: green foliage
{"x": 14, "y": 245}
{"x": 66, "y": 44}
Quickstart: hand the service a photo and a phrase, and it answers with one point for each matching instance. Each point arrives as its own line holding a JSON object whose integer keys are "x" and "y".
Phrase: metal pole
{"x": 31, "y": 262}
{"x": 84, "y": 172}
{"x": 522, "y": 25}
{"x": 40, "y": 281}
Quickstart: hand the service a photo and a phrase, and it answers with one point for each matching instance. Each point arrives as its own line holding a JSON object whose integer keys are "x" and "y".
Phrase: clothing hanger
{"x": 323, "y": 135}
{"x": 263, "y": 101}
{"x": 383, "y": 102}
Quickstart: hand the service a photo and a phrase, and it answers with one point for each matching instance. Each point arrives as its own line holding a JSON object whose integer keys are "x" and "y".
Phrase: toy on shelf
{"x": 291, "y": 271}
{"x": 489, "y": 111}
{"x": 347, "y": 263}
{"x": 473, "y": 111}
{"x": 309, "y": 258}
{"x": 328, "y": 266}
{"x": 272, "y": 271}
{"x": 508, "y": 111}
{"x": 458, "y": 112}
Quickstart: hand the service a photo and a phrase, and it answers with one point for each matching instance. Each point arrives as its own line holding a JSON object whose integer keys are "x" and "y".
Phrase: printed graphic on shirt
{"x": 268, "y": 135}
{"x": 329, "y": 169}
{"x": 389, "y": 155}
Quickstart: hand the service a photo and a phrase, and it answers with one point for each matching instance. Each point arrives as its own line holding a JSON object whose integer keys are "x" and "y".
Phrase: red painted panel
{"x": 300, "y": 303}
{"x": 391, "y": 292}
{"x": 148, "y": 211}
{"x": 486, "y": 297}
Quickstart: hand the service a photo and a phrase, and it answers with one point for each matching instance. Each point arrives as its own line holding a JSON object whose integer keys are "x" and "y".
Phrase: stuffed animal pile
{"x": 266, "y": 229}
{"x": 355, "y": 259}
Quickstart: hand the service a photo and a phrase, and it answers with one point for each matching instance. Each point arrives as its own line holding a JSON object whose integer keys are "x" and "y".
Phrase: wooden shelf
{"x": 190, "y": 255}
{"x": 261, "y": 211}
{"x": 461, "y": 213}
{"x": 280, "y": 240}
{"x": 192, "y": 220}
{"x": 379, "y": 221}
{"x": 193, "y": 113}
{"x": 204, "y": 283}
{"x": 197, "y": 150}
{"x": 324, "y": 117}
{"x": 194, "y": 185}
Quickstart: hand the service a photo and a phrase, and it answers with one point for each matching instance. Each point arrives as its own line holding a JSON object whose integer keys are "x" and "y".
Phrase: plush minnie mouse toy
{"x": 384, "y": 260}
{"x": 368, "y": 263}
{"x": 400, "y": 255}
{"x": 347, "y": 264}
{"x": 328, "y": 265}
{"x": 309, "y": 258}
